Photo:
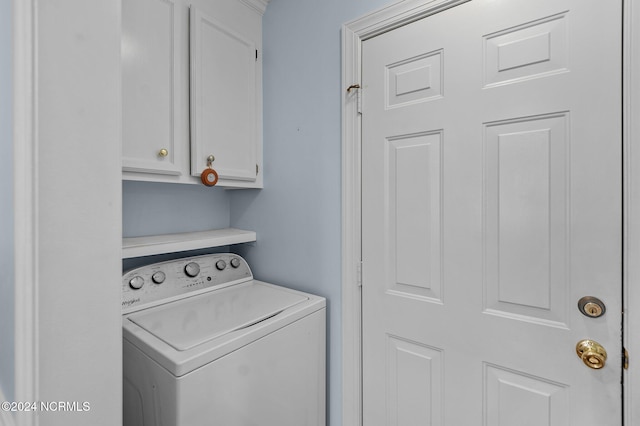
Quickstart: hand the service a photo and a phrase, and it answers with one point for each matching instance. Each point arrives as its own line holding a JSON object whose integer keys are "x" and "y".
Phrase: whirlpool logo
{"x": 127, "y": 303}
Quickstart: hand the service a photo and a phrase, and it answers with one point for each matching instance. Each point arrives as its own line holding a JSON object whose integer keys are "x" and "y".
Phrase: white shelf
{"x": 169, "y": 243}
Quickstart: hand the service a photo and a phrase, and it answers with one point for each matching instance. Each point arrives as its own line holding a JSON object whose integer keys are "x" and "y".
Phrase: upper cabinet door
{"x": 223, "y": 99}
{"x": 150, "y": 75}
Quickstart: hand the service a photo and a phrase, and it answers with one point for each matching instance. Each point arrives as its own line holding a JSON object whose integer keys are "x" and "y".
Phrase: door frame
{"x": 354, "y": 33}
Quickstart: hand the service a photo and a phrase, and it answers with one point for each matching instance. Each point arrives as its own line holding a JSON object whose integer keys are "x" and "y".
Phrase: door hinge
{"x": 625, "y": 358}
{"x": 359, "y": 273}
{"x": 356, "y": 89}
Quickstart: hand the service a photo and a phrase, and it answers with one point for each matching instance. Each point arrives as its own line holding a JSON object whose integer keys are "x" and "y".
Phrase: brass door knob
{"x": 163, "y": 152}
{"x": 592, "y": 353}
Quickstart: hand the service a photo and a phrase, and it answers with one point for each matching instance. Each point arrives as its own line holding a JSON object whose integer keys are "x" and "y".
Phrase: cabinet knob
{"x": 163, "y": 152}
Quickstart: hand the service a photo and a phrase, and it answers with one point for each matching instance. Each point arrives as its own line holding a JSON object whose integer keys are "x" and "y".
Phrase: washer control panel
{"x": 175, "y": 279}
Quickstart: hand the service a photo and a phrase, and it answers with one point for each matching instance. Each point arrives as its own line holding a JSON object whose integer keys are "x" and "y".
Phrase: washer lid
{"x": 190, "y": 322}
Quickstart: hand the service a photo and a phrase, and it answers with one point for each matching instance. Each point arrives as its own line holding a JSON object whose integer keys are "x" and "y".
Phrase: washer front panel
{"x": 175, "y": 279}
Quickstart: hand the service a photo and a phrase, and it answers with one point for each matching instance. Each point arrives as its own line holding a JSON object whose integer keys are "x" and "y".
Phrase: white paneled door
{"x": 491, "y": 158}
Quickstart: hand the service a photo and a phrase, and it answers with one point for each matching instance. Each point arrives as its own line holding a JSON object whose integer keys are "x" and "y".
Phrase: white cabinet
{"x": 223, "y": 99}
{"x": 192, "y": 87}
{"x": 150, "y": 88}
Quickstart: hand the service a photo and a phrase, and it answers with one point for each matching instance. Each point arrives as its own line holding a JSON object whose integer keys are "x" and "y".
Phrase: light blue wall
{"x": 158, "y": 208}
{"x": 161, "y": 208}
{"x": 6, "y": 205}
{"x": 297, "y": 216}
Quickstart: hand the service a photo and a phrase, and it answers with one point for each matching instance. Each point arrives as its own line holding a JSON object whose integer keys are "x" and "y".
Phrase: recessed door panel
{"x": 527, "y": 201}
{"x": 414, "y": 375}
{"x": 414, "y": 190}
{"x": 416, "y": 79}
{"x": 531, "y": 50}
{"x": 516, "y": 398}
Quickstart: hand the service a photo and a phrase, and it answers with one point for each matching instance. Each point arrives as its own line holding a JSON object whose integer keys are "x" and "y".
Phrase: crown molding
{"x": 259, "y": 6}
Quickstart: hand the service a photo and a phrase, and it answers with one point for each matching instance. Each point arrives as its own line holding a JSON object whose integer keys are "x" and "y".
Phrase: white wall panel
{"x": 78, "y": 198}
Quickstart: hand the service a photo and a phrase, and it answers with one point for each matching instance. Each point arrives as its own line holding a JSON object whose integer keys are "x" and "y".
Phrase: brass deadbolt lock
{"x": 591, "y": 306}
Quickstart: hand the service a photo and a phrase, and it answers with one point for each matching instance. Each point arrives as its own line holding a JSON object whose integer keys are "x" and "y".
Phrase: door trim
{"x": 631, "y": 206}
{"x": 397, "y": 15}
{"x": 25, "y": 208}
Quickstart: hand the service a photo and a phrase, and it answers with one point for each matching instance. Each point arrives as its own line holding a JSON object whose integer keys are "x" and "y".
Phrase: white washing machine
{"x": 206, "y": 344}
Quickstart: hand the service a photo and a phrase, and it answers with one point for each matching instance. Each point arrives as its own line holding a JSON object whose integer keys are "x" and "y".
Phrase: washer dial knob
{"x": 220, "y": 265}
{"x": 235, "y": 262}
{"x": 158, "y": 277}
{"x": 136, "y": 282}
{"x": 192, "y": 269}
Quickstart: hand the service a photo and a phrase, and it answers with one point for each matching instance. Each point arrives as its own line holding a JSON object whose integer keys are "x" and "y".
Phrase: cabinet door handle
{"x": 163, "y": 152}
